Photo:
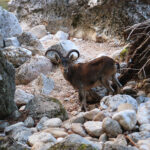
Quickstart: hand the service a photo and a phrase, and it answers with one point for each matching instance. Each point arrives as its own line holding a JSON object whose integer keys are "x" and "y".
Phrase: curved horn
{"x": 53, "y": 50}
{"x": 73, "y": 50}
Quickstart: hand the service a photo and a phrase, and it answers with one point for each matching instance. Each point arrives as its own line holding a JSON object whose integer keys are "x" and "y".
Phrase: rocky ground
{"x": 50, "y": 116}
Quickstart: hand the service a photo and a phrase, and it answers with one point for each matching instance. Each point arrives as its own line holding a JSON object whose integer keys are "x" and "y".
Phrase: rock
{"x": 22, "y": 97}
{"x": 125, "y": 106}
{"x": 112, "y": 102}
{"x": 121, "y": 140}
{"x": 93, "y": 128}
{"x": 17, "y": 55}
{"x": 56, "y": 132}
{"x": 145, "y": 127}
{"x": 116, "y": 54}
{"x": 41, "y": 137}
{"x": 147, "y": 87}
{"x": 144, "y": 144}
{"x": 143, "y": 114}
{"x": 9, "y": 24}
{"x": 78, "y": 119}
{"x": 18, "y": 132}
{"x": 78, "y": 129}
{"x": 40, "y": 124}
{"x": 100, "y": 116}
{"x": 60, "y": 139}
{"x": 3, "y": 125}
{"x": 129, "y": 91}
{"x": 22, "y": 108}
{"x": 91, "y": 114}
{"x": 13, "y": 41}
{"x": 46, "y": 38}
{"x": 60, "y": 35}
{"x": 46, "y": 106}
{"x": 29, "y": 122}
{"x": 1, "y": 41}
{"x": 136, "y": 136}
{"x": 142, "y": 99}
{"x": 103, "y": 138}
{"x": 30, "y": 42}
{"x": 54, "y": 122}
{"x": 112, "y": 146}
{"x": 111, "y": 127}
{"x": 75, "y": 142}
{"x": 32, "y": 69}
{"x": 39, "y": 31}
{"x": 7, "y": 84}
{"x": 67, "y": 124}
{"x": 126, "y": 118}
{"x": 42, "y": 146}
{"x": 63, "y": 47}
{"x": 43, "y": 85}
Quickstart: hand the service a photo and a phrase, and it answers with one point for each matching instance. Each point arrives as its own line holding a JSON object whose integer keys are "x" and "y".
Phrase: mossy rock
{"x": 46, "y": 106}
{"x": 71, "y": 146}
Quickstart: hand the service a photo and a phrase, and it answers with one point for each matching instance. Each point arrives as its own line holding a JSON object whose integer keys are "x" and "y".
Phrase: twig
{"x": 131, "y": 141}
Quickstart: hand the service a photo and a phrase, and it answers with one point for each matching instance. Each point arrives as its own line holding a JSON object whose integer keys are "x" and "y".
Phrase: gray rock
{"x": 32, "y": 69}
{"x": 30, "y": 42}
{"x": 22, "y": 97}
{"x": 18, "y": 132}
{"x": 144, "y": 144}
{"x": 75, "y": 142}
{"x": 3, "y": 125}
{"x": 145, "y": 127}
{"x": 54, "y": 122}
{"x": 29, "y": 122}
{"x": 46, "y": 106}
{"x": 91, "y": 114}
{"x": 9, "y": 24}
{"x": 40, "y": 124}
{"x": 112, "y": 102}
{"x": 46, "y": 38}
{"x": 39, "y": 31}
{"x": 143, "y": 114}
{"x": 13, "y": 41}
{"x": 7, "y": 84}
{"x": 136, "y": 136}
{"x": 93, "y": 128}
{"x": 43, "y": 85}
{"x": 78, "y": 119}
{"x": 126, "y": 118}
{"x": 1, "y": 40}
{"x": 17, "y": 55}
{"x": 111, "y": 127}
{"x": 142, "y": 99}
{"x": 60, "y": 35}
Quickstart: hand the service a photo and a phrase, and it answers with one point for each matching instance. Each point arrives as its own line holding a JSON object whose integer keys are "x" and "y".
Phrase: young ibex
{"x": 84, "y": 76}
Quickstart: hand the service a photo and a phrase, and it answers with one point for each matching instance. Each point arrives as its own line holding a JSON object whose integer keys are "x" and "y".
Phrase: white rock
{"x": 111, "y": 127}
{"x": 112, "y": 102}
{"x": 60, "y": 139}
{"x": 42, "y": 146}
{"x": 60, "y": 35}
{"x": 94, "y": 128}
{"x": 22, "y": 97}
{"x": 78, "y": 129}
{"x": 32, "y": 69}
{"x": 39, "y": 31}
{"x": 22, "y": 108}
{"x": 17, "y": 55}
{"x": 91, "y": 114}
{"x": 41, "y": 137}
{"x": 29, "y": 122}
{"x": 13, "y": 41}
{"x": 144, "y": 144}
{"x": 145, "y": 127}
{"x": 78, "y": 119}
{"x": 116, "y": 54}
{"x": 54, "y": 122}
{"x": 40, "y": 124}
{"x": 46, "y": 38}
{"x": 43, "y": 85}
{"x": 143, "y": 114}
{"x": 126, "y": 118}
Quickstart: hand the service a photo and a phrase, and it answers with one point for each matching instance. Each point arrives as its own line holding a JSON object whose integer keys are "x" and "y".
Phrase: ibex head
{"x": 60, "y": 59}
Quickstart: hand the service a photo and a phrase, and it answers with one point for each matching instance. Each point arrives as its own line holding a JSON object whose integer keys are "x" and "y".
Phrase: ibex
{"x": 84, "y": 76}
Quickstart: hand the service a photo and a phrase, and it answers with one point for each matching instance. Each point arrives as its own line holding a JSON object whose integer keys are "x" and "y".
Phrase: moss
{"x": 4, "y": 3}
{"x": 124, "y": 53}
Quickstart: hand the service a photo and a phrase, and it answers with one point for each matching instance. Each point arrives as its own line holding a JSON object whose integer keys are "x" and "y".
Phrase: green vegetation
{"x": 4, "y": 3}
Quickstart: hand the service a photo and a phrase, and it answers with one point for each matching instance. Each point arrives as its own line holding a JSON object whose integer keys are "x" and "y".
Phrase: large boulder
{"x": 9, "y": 25}
{"x": 112, "y": 102}
{"x": 17, "y": 55}
{"x": 46, "y": 106}
{"x": 7, "y": 88}
{"x": 81, "y": 17}
{"x": 31, "y": 42}
{"x": 32, "y": 69}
